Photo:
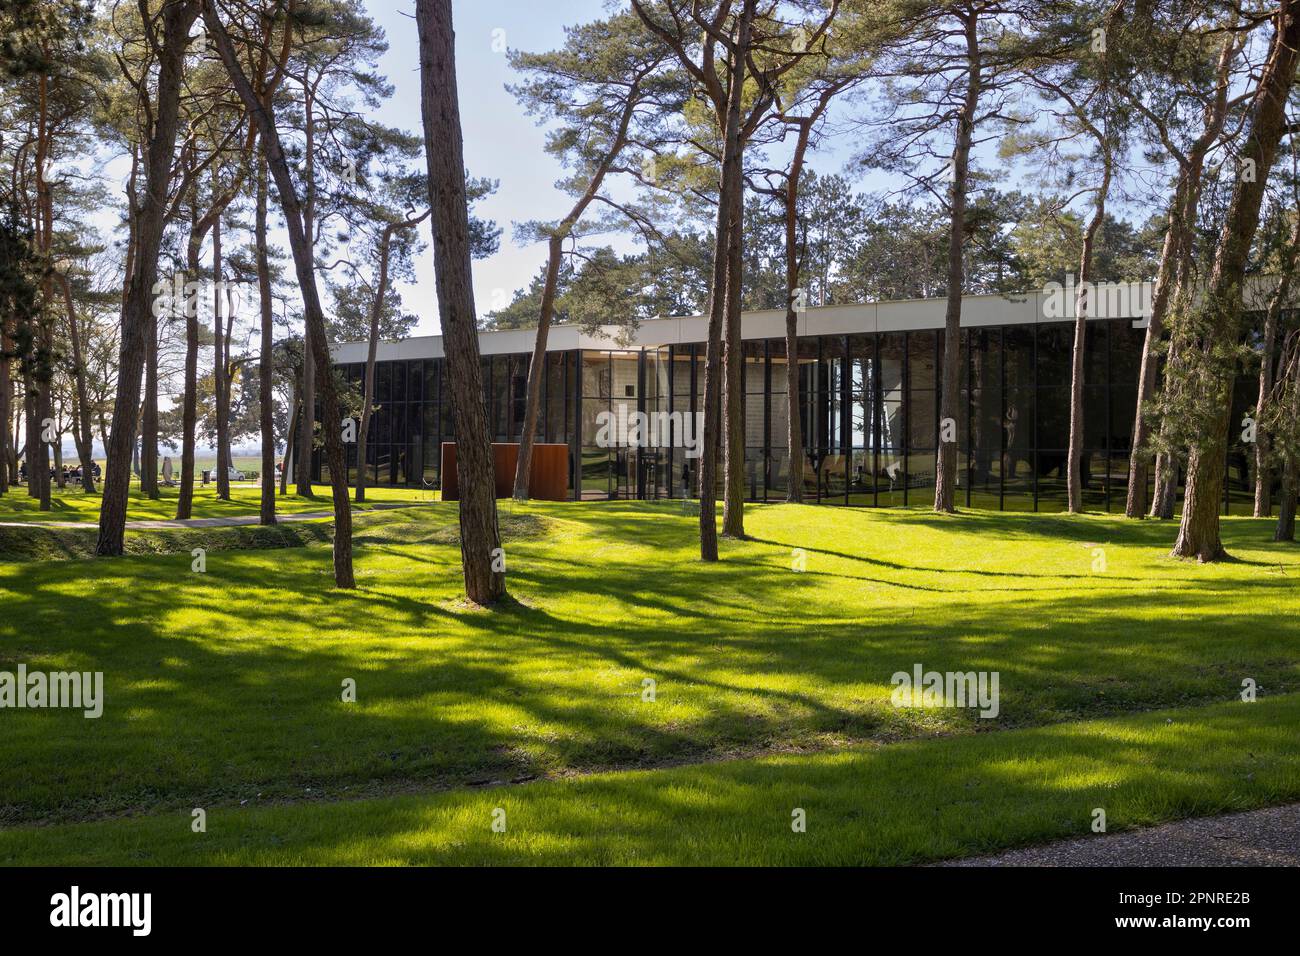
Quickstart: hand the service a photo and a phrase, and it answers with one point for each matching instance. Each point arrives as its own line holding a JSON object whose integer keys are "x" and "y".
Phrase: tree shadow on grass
{"x": 226, "y": 685}
{"x": 1237, "y": 531}
{"x": 909, "y": 803}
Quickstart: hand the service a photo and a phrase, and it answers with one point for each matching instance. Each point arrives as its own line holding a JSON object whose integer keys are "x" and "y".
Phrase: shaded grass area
{"x": 73, "y": 504}
{"x": 225, "y": 686}
{"x": 64, "y": 544}
{"x": 902, "y": 803}
{"x": 37, "y": 543}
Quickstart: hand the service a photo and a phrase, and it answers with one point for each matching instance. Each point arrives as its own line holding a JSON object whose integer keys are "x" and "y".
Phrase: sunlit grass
{"x": 225, "y": 687}
{"x": 73, "y": 504}
{"x": 902, "y": 803}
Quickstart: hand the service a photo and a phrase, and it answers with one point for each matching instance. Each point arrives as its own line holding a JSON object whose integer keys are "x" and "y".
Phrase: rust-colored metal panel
{"x": 548, "y": 474}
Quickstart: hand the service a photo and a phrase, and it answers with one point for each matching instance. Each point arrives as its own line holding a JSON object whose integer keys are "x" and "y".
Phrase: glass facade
{"x": 868, "y": 410}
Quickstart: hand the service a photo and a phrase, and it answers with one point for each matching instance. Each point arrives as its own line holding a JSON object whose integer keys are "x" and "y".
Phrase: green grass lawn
{"x": 223, "y": 690}
{"x": 73, "y": 504}
{"x": 245, "y": 463}
{"x": 905, "y": 803}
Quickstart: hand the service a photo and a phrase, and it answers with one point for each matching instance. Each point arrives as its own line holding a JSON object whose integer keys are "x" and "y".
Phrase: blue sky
{"x": 501, "y": 142}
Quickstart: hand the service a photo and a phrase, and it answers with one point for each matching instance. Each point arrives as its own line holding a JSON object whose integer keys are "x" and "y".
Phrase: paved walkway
{"x": 231, "y": 522}
{"x": 1269, "y": 837}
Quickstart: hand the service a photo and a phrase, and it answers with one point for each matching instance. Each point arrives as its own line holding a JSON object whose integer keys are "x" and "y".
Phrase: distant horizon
{"x": 97, "y": 451}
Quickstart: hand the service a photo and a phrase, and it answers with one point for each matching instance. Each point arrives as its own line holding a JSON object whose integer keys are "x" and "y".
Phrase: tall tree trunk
{"x": 1215, "y": 333}
{"x": 132, "y": 225}
{"x": 732, "y": 195}
{"x": 1285, "y": 530}
{"x": 267, "y": 366}
{"x": 372, "y": 345}
{"x": 1171, "y": 281}
{"x": 1139, "y": 455}
{"x": 480, "y": 540}
{"x": 372, "y": 352}
{"x": 82, "y": 434}
{"x": 43, "y": 375}
{"x": 709, "y": 398}
{"x": 6, "y": 395}
{"x": 190, "y": 398}
{"x": 537, "y": 369}
{"x": 733, "y": 392}
{"x": 794, "y": 422}
{"x": 44, "y": 419}
{"x": 945, "y": 479}
{"x": 149, "y": 415}
{"x": 200, "y": 226}
{"x": 294, "y": 415}
{"x": 794, "y": 426}
{"x": 1289, "y": 368}
{"x": 1272, "y": 318}
{"x": 177, "y": 18}
{"x": 306, "y": 441}
{"x": 317, "y": 339}
{"x": 1074, "y": 466}
{"x": 1166, "y": 486}
{"x": 733, "y": 371}
{"x": 15, "y": 450}
{"x": 220, "y": 366}
{"x": 306, "y": 425}
{"x": 8, "y": 433}
{"x": 31, "y": 434}
{"x": 729, "y": 182}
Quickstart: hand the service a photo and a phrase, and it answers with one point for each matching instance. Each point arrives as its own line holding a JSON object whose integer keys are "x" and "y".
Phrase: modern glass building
{"x": 869, "y": 387}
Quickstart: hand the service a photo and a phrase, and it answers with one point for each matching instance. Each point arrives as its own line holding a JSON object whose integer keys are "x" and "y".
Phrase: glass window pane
{"x": 1125, "y": 352}
{"x": 921, "y": 420}
{"x": 398, "y": 393}
{"x": 1123, "y": 415}
{"x": 1053, "y": 418}
{"x": 1095, "y": 353}
{"x": 1055, "y": 349}
{"x": 1018, "y": 342}
{"x": 595, "y": 375}
{"x": 921, "y": 360}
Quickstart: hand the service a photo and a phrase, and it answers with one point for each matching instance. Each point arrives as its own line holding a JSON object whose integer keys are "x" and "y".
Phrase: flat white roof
{"x": 1112, "y": 301}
